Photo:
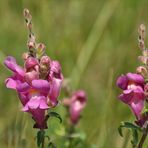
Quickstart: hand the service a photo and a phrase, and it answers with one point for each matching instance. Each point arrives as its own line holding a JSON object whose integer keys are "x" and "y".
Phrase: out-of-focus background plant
{"x": 95, "y": 41}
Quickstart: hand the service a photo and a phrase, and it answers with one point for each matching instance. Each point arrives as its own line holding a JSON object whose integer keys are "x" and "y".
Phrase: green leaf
{"x": 135, "y": 137}
{"x": 54, "y": 114}
{"x": 40, "y": 137}
{"x": 120, "y": 131}
{"x": 129, "y": 126}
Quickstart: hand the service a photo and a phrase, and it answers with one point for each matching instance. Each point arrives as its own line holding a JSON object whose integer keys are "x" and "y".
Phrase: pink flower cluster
{"x": 133, "y": 92}
{"x": 38, "y": 85}
{"x": 75, "y": 103}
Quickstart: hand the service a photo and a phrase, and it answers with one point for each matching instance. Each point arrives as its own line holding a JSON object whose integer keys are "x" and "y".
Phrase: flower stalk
{"x": 37, "y": 83}
{"x": 143, "y": 138}
{"x": 135, "y": 93}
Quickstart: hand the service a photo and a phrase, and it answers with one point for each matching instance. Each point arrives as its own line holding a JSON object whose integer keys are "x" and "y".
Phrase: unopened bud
{"x": 31, "y": 63}
{"x": 27, "y": 14}
{"x": 45, "y": 60}
{"x": 25, "y": 56}
{"x": 40, "y": 50}
{"x": 143, "y": 71}
{"x": 146, "y": 90}
{"x": 142, "y": 59}
{"x": 141, "y": 31}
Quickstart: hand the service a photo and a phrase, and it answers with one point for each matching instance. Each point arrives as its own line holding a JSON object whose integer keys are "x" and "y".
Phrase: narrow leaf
{"x": 135, "y": 137}
{"x": 129, "y": 126}
{"x": 54, "y": 114}
{"x": 40, "y": 137}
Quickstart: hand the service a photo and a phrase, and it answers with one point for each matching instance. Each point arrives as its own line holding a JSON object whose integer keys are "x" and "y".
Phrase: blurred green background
{"x": 95, "y": 41}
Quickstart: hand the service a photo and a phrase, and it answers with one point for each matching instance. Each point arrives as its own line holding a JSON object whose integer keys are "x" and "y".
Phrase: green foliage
{"x": 56, "y": 115}
{"x": 40, "y": 137}
{"x": 134, "y": 129}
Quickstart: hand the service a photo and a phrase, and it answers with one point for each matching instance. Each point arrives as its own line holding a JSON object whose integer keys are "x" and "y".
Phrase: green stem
{"x": 43, "y": 145}
{"x": 143, "y": 138}
{"x": 70, "y": 138}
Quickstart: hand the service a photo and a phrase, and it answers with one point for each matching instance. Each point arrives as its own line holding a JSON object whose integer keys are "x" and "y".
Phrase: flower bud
{"x": 40, "y": 50}
{"x": 142, "y": 70}
{"x": 25, "y": 56}
{"x": 143, "y": 59}
{"x": 45, "y": 60}
{"x": 55, "y": 67}
{"x": 31, "y": 63}
{"x": 32, "y": 75}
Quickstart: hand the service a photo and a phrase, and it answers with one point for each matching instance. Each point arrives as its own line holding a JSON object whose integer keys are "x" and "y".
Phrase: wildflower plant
{"x": 38, "y": 84}
{"x": 134, "y": 88}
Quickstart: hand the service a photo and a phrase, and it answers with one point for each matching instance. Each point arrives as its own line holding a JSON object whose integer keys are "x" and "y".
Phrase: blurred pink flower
{"x": 133, "y": 92}
{"x": 36, "y": 94}
{"x": 76, "y": 103}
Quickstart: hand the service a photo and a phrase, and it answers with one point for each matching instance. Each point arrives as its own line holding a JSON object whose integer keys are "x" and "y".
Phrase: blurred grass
{"x": 95, "y": 41}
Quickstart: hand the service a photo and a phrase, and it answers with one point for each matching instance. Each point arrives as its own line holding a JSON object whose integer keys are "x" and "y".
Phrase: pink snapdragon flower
{"x": 76, "y": 104}
{"x": 38, "y": 85}
{"x": 133, "y": 92}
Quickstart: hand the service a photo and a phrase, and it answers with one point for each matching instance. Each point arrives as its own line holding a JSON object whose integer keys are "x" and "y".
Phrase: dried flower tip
{"x": 141, "y": 31}
{"x": 141, "y": 37}
{"x": 27, "y": 14}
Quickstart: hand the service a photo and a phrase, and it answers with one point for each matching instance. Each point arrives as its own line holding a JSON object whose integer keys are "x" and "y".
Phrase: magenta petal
{"x": 55, "y": 90}
{"x": 10, "y": 62}
{"x": 135, "y": 78}
{"x": 22, "y": 87}
{"x": 137, "y": 108}
{"x": 75, "y": 110}
{"x": 32, "y": 75}
{"x": 55, "y": 67}
{"x": 11, "y": 83}
{"x": 23, "y": 98}
{"x": 25, "y": 108}
{"x": 126, "y": 98}
{"x": 78, "y": 102}
{"x": 31, "y": 62}
{"x": 41, "y": 85}
{"x": 34, "y": 102}
{"x": 43, "y": 103}
{"x": 122, "y": 82}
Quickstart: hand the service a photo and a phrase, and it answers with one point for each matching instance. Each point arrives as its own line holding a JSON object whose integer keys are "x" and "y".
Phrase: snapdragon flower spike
{"x": 133, "y": 92}
{"x": 76, "y": 104}
{"x": 36, "y": 94}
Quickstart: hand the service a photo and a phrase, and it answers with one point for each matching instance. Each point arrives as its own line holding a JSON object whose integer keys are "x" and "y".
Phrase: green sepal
{"x": 54, "y": 114}
{"x": 129, "y": 126}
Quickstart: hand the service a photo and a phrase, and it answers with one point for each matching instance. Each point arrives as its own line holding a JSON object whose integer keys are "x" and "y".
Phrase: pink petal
{"x": 11, "y": 83}
{"x": 10, "y": 62}
{"x": 22, "y": 87}
{"x": 41, "y": 85}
